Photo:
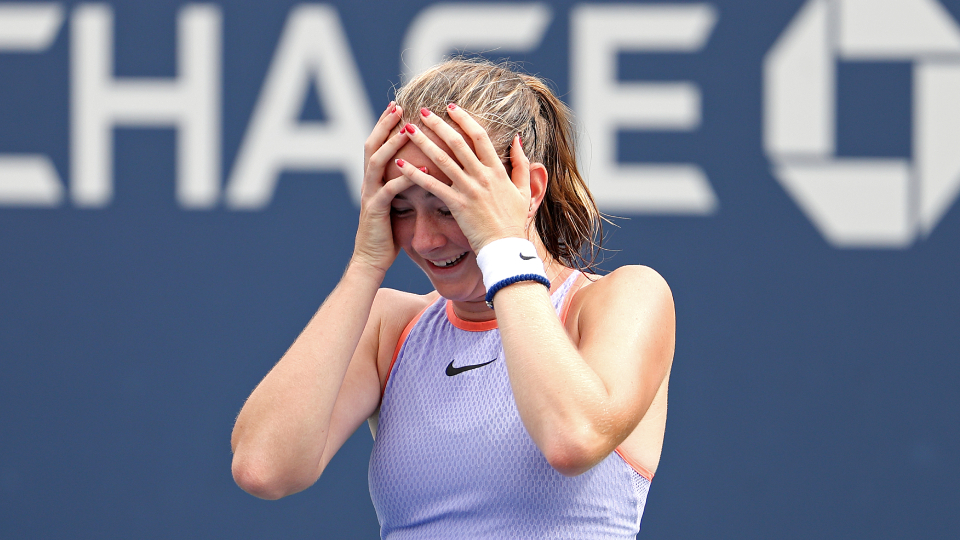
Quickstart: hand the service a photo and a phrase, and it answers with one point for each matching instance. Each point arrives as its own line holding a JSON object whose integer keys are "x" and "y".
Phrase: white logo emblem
{"x": 870, "y": 203}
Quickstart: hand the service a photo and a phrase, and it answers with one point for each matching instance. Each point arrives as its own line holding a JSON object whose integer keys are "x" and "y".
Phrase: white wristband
{"x": 509, "y": 260}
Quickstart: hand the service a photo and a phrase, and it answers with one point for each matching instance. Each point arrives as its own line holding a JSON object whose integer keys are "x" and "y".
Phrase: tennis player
{"x": 525, "y": 397}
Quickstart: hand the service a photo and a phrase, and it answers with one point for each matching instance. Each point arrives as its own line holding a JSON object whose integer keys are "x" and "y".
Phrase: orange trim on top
{"x": 483, "y": 326}
{"x": 635, "y": 465}
{"x": 469, "y": 326}
{"x": 565, "y": 308}
{"x": 558, "y": 281}
{"x": 403, "y": 338}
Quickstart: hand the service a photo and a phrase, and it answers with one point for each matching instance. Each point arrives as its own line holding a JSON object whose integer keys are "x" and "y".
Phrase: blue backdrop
{"x": 814, "y": 390}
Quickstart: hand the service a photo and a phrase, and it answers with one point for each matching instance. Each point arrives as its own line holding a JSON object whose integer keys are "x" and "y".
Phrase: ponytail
{"x": 568, "y": 221}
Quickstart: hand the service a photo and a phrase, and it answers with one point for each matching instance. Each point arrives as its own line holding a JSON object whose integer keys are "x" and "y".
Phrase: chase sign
{"x": 854, "y": 203}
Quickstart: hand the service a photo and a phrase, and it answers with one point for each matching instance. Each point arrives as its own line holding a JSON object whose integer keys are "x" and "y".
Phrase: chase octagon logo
{"x": 865, "y": 203}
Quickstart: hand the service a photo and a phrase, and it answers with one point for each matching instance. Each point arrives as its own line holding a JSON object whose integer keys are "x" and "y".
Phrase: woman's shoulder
{"x": 403, "y": 298}
{"x": 628, "y": 289}
{"x": 395, "y": 309}
{"x": 630, "y": 280}
{"x": 398, "y": 308}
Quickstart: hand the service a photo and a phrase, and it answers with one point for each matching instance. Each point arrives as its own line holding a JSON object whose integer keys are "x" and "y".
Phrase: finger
{"x": 521, "y": 167}
{"x": 434, "y": 153}
{"x": 378, "y": 161}
{"x": 379, "y": 201}
{"x": 443, "y": 192}
{"x": 482, "y": 145}
{"x": 391, "y": 189}
{"x": 381, "y": 130}
{"x": 391, "y": 114}
{"x": 459, "y": 146}
{"x": 381, "y": 158}
{"x": 461, "y": 149}
{"x": 388, "y": 110}
{"x": 388, "y": 120}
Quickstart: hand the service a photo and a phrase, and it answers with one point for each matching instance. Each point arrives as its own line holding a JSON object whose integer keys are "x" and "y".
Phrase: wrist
{"x": 507, "y": 261}
{"x": 362, "y": 268}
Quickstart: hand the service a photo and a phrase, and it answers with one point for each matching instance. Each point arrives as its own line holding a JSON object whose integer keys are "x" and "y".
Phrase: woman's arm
{"x": 579, "y": 401}
{"x": 282, "y": 432}
{"x": 327, "y": 383}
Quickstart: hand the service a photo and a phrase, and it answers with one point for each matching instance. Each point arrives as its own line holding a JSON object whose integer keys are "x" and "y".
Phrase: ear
{"x": 538, "y": 187}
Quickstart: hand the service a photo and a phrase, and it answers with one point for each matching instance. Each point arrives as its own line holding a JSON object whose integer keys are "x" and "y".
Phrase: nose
{"x": 427, "y": 236}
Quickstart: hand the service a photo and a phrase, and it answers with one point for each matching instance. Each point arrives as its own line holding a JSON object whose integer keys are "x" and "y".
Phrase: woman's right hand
{"x": 374, "y": 244}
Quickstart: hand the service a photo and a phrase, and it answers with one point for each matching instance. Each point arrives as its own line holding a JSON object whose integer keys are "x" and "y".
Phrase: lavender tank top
{"x": 451, "y": 457}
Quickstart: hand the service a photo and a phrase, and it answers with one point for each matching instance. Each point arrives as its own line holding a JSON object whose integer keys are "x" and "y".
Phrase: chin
{"x": 459, "y": 291}
{"x": 471, "y": 296}
{"x": 462, "y": 289}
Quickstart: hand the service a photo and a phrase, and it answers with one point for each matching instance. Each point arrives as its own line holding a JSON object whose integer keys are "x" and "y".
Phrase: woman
{"x": 520, "y": 399}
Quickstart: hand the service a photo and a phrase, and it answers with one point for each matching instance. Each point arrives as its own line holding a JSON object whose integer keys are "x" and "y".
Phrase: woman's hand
{"x": 374, "y": 244}
{"x": 486, "y": 202}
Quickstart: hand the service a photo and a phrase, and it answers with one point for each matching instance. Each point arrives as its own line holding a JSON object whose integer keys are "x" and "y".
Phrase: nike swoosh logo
{"x": 524, "y": 257}
{"x": 451, "y": 371}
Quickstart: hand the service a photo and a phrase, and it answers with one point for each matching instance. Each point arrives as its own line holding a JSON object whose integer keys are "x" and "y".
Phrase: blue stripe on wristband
{"x": 510, "y": 281}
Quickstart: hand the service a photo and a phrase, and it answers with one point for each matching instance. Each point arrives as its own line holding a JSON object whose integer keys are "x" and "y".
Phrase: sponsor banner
{"x": 179, "y": 187}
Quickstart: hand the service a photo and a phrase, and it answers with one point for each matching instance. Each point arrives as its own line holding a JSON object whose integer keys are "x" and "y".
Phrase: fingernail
{"x": 393, "y": 109}
{"x": 400, "y": 163}
{"x": 451, "y": 106}
{"x": 410, "y": 129}
{"x": 392, "y": 105}
{"x": 519, "y": 140}
{"x": 424, "y": 169}
{"x": 425, "y": 111}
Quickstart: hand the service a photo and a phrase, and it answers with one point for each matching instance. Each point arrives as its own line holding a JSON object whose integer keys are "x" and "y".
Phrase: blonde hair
{"x": 506, "y": 102}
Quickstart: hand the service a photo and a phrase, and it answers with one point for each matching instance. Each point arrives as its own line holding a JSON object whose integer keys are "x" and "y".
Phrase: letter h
{"x": 189, "y": 102}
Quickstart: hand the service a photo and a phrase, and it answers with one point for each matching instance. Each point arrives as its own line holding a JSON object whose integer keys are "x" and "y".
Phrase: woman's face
{"x": 428, "y": 233}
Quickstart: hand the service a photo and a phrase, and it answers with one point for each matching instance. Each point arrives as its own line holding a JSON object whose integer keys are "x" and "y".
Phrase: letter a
{"x": 312, "y": 45}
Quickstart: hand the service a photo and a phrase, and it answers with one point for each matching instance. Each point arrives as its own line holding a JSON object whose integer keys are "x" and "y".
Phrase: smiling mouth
{"x": 449, "y": 262}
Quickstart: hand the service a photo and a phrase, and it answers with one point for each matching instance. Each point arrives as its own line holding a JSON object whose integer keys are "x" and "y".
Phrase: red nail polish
{"x": 393, "y": 109}
{"x": 400, "y": 163}
{"x": 425, "y": 111}
{"x": 519, "y": 139}
{"x": 411, "y": 129}
{"x": 451, "y": 106}
{"x": 424, "y": 169}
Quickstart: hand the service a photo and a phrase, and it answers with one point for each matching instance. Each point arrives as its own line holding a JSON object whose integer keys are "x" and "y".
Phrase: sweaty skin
{"x": 582, "y": 389}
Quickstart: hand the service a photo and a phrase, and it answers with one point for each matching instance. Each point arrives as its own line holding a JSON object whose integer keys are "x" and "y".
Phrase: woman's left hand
{"x": 487, "y": 203}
